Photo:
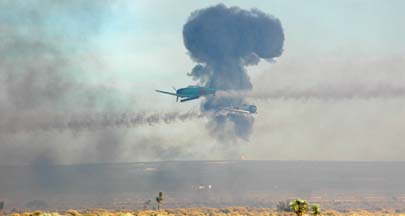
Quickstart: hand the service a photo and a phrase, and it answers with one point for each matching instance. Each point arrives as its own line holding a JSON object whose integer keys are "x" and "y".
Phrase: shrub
{"x": 316, "y": 209}
{"x": 299, "y": 206}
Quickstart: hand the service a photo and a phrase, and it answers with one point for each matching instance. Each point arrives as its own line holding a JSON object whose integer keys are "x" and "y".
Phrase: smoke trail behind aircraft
{"x": 51, "y": 55}
{"x": 93, "y": 121}
{"x": 322, "y": 93}
{"x": 223, "y": 41}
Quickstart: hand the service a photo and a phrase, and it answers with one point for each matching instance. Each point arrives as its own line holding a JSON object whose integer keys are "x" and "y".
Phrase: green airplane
{"x": 190, "y": 92}
{"x": 244, "y": 108}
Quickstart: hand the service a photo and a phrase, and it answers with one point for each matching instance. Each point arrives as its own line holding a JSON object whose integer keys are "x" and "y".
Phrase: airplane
{"x": 190, "y": 92}
{"x": 244, "y": 108}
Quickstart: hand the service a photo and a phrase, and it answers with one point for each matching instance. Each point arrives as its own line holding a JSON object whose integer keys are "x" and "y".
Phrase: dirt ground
{"x": 234, "y": 211}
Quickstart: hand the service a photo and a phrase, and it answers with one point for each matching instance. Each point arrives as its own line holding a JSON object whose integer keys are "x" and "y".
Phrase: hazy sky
{"x": 62, "y": 58}
{"x": 142, "y": 32}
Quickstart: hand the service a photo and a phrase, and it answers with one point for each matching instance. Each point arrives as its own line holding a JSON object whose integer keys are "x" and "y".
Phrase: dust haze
{"x": 50, "y": 114}
{"x": 60, "y": 130}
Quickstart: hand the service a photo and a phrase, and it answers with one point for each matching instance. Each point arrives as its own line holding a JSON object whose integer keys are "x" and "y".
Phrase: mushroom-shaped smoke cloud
{"x": 223, "y": 41}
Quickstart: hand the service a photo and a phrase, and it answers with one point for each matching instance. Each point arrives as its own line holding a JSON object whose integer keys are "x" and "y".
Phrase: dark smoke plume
{"x": 93, "y": 121}
{"x": 223, "y": 41}
{"x": 337, "y": 92}
{"x": 49, "y": 50}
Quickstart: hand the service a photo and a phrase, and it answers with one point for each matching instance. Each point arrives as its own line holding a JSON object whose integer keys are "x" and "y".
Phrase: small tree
{"x": 159, "y": 199}
{"x": 316, "y": 209}
{"x": 1, "y": 205}
{"x": 299, "y": 206}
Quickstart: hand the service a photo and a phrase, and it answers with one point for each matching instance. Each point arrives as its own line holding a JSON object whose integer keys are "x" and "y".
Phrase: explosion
{"x": 223, "y": 41}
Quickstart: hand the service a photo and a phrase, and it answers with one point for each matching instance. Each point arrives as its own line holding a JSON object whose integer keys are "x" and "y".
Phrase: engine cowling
{"x": 252, "y": 109}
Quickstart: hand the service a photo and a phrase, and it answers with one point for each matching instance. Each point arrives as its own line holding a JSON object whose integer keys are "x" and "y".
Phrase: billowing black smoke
{"x": 223, "y": 41}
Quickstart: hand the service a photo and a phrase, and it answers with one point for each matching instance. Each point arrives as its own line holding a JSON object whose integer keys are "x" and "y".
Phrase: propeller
{"x": 175, "y": 90}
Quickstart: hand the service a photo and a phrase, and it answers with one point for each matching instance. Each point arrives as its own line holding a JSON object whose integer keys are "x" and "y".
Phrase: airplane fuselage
{"x": 243, "y": 108}
{"x": 247, "y": 107}
{"x": 190, "y": 93}
{"x": 195, "y": 91}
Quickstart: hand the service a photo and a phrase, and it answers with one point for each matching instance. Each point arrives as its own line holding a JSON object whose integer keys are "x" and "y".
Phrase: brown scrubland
{"x": 231, "y": 211}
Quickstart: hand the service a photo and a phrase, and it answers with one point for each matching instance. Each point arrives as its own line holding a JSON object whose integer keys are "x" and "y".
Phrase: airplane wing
{"x": 189, "y": 98}
{"x": 165, "y": 92}
{"x": 237, "y": 110}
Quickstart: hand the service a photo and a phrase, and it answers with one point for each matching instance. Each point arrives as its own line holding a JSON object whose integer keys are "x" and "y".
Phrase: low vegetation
{"x": 234, "y": 211}
{"x": 299, "y": 206}
{"x": 316, "y": 209}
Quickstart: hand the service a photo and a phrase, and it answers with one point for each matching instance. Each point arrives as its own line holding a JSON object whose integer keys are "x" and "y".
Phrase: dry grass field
{"x": 233, "y": 211}
{"x": 367, "y": 187}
